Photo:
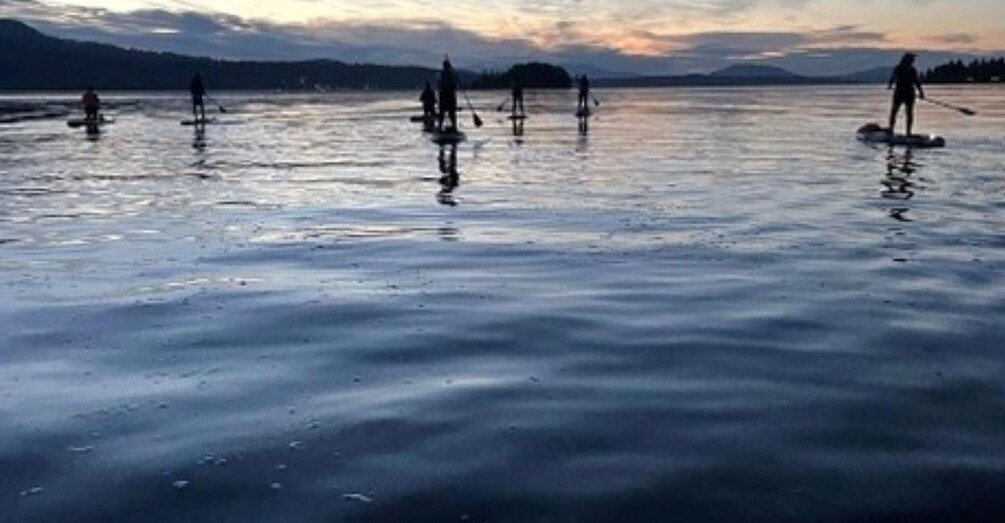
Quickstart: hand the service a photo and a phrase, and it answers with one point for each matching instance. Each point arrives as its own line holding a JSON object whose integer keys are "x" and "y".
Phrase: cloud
{"x": 955, "y": 39}
{"x": 571, "y": 42}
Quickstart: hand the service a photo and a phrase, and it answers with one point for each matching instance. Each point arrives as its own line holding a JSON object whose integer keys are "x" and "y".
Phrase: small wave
{"x": 30, "y": 191}
{"x": 202, "y": 176}
{"x": 31, "y": 116}
{"x": 18, "y": 112}
{"x": 239, "y": 203}
{"x": 291, "y": 165}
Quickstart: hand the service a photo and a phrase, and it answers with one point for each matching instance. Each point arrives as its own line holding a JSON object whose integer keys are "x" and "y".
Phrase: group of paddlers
{"x": 439, "y": 108}
{"x": 444, "y": 107}
{"x": 92, "y": 102}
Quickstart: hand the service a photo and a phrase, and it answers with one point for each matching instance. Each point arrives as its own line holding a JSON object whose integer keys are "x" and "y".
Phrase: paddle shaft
{"x": 474, "y": 114}
{"x": 218, "y": 105}
{"x": 940, "y": 103}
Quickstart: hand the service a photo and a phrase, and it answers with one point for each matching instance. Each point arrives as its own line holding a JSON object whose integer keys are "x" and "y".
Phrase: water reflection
{"x": 93, "y": 132}
{"x": 898, "y": 182}
{"x": 703, "y": 311}
{"x": 584, "y": 125}
{"x": 199, "y": 138}
{"x": 518, "y": 129}
{"x": 451, "y": 178}
{"x": 449, "y": 234}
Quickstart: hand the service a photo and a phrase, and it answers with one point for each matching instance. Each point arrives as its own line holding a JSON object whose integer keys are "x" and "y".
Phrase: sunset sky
{"x": 646, "y": 36}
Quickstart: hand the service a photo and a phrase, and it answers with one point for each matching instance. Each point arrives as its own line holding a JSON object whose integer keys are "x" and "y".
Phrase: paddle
{"x": 595, "y": 101}
{"x": 218, "y": 106}
{"x": 474, "y": 114}
{"x": 963, "y": 110}
{"x": 502, "y": 105}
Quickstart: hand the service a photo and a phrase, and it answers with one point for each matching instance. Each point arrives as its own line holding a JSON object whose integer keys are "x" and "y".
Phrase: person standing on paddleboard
{"x": 428, "y": 100}
{"x": 516, "y": 93}
{"x": 584, "y": 95}
{"x": 92, "y": 104}
{"x": 905, "y": 82}
{"x": 448, "y": 97}
{"x": 198, "y": 90}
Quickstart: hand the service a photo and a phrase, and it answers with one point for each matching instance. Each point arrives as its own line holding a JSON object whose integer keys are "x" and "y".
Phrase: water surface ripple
{"x": 715, "y": 306}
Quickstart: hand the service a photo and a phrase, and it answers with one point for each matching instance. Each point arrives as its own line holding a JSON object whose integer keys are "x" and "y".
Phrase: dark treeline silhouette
{"x": 30, "y": 60}
{"x": 977, "y": 71}
{"x": 534, "y": 75}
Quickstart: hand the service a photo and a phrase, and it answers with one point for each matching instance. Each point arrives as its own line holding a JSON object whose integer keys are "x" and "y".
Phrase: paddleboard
{"x": 421, "y": 119}
{"x": 75, "y": 123}
{"x": 518, "y": 117}
{"x": 207, "y": 121}
{"x": 873, "y": 133}
{"x": 584, "y": 113}
{"x": 447, "y": 138}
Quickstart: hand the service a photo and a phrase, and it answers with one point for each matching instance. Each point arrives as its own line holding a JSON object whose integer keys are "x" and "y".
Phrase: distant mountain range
{"x": 748, "y": 75}
{"x": 30, "y": 60}
{"x": 743, "y": 71}
{"x": 877, "y": 75}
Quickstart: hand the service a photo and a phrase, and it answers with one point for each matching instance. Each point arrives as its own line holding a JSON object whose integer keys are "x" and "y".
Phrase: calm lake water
{"x": 715, "y": 306}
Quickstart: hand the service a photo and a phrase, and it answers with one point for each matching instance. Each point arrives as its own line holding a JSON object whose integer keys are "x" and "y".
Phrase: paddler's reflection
{"x": 199, "y": 140}
{"x": 898, "y": 184}
{"x": 584, "y": 125}
{"x": 451, "y": 179}
{"x": 518, "y": 130}
{"x": 899, "y": 170}
{"x": 93, "y": 131}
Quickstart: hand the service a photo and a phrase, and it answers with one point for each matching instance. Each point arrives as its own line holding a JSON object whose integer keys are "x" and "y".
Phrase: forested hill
{"x": 977, "y": 71}
{"x": 534, "y": 75}
{"x": 30, "y": 60}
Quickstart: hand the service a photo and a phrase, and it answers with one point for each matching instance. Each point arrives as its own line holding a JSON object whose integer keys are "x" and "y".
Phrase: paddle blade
{"x": 477, "y": 119}
{"x": 968, "y": 112}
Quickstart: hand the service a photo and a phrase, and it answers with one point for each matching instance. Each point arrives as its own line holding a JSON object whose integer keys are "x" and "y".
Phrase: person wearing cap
{"x": 905, "y": 82}
{"x": 448, "y": 97}
{"x": 198, "y": 91}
